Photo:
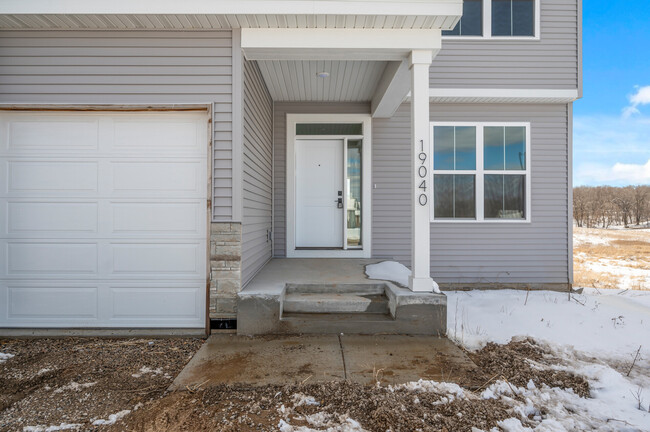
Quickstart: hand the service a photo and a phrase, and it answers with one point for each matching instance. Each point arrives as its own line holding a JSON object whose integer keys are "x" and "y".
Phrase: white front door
{"x": 319, "y": 186}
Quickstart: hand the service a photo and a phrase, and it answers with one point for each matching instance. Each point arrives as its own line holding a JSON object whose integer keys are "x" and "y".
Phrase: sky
{"x": 611, "y": 136}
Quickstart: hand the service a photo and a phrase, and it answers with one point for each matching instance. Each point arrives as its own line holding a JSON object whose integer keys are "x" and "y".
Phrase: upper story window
{"x": 471, "y": 24}
{"x": 506, "y": 19}
{"x": 513, "y": 17}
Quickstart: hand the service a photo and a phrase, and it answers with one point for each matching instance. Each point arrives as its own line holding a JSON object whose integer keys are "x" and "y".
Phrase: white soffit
{"x": 438, "y": 95}
{"x": 226, "y": 14}
{"x": 297, "y": 81}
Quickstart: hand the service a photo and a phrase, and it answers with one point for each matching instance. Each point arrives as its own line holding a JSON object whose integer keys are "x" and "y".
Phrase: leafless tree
{"x": 604, "y": 206}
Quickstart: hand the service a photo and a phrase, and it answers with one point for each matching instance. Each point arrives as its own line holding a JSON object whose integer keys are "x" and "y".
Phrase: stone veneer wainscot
{"x": 225, "y": 268}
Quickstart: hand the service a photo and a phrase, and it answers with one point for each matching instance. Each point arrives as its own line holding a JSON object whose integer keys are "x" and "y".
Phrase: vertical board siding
{"x": 535, "y": 252}
{"x": 548, "y": 63}
{"x": 128, "y": 67}
{"x": 257, "y": 165}
{"x": 280, "y": 111}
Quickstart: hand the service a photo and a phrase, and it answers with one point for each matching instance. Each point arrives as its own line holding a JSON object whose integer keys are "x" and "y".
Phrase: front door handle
{"x": 339, "y": 203}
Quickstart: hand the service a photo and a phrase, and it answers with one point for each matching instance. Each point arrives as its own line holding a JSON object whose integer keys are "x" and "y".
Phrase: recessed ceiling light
{"x": 322, "y": 74}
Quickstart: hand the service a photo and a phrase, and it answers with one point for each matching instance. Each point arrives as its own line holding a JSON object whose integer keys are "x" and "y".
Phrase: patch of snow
{"x": 594, "y": 238}
{"x": 62, "y": 426}
{"x": 284, "y": 426}
{"x": 111, "y": 418}
{"x": 617, "y": 267}
{"x": 4, "y": 357}
{"x": 147, "y": 370}
{"x": 42, "y": 371}
{"x": 325, "y": 423}
{"x": 448, "y": 391}
{"x": 300, "y": 399}
{"x": 394, "y": 272}
{"x": 74, "y": 386}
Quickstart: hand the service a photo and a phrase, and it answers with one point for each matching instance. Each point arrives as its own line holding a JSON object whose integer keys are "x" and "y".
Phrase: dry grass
{"x": 611, "y": 259}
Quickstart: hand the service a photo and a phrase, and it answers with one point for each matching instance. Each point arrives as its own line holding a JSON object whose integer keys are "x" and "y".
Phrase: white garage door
{"x": 103, "y": 219}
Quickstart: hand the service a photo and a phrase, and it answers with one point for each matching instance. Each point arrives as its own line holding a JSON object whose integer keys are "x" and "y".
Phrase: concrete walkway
{"x": 230, "y": 359}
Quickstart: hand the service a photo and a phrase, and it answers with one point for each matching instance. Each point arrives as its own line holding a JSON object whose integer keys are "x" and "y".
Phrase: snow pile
{"x": 394, "y": 272}
{"x": 606, "y": 324}
{"x": 556, "y": 409}
{"x": 62, "y": 426}
{"x": 586, "y": 331}
{"x": 111, "y": 418}
{"x": 4, "y": 357}
{"x": 74, "y": 386}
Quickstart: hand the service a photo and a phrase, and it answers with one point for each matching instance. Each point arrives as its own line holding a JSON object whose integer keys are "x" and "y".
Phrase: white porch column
{"x": 420, "y": 280}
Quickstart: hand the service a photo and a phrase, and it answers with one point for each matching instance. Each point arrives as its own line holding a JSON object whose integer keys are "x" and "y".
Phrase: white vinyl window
{"x": 481, "y": 172}
{"x": 498, "y": 19}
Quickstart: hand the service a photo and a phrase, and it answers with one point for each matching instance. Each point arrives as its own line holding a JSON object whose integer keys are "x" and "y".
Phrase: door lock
{"x": 339, "y": 203}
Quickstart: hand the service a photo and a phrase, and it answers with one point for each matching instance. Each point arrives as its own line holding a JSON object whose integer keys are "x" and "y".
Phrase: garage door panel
{"x": 45, "y": 176}
{"x": 103, "y": 304}
{"x": 52, "y": 302}
{"x": 39, "y": 218}
{"x": 62, "y": 258}
{"x": 53, "y": 218}
{"x": 170, "y": 259}
{"x": 103, "y": 219}
{"x": 50, "y": 132}
{"x": 162, "y": 136}
{"x": 158, "y": 178}
{"x": 170, "y": 218}
{"x": 168, "y": 303}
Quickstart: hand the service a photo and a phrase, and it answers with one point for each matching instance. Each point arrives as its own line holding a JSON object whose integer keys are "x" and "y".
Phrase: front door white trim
{"x": 366, "y": 178}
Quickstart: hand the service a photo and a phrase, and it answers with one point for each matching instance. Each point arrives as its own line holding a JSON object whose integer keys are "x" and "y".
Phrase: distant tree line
{"x": 604, "y": 206}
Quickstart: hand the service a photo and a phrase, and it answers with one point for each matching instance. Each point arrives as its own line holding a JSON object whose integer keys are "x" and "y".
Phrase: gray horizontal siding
{"x": 471, "y": 253}
{"x": 257, "y": 179}
{"x": 280, "y": 111}
{"x": 127, "y": 67}
{"x": 550, "y": 63}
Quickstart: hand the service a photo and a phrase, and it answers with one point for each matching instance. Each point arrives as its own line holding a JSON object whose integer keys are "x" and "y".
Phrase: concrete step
{"x": 323, "y": 303}
{"x": 334, "y": 323}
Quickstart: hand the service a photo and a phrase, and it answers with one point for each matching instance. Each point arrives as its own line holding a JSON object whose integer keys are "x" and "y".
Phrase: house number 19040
{"x": 422, "y": 172}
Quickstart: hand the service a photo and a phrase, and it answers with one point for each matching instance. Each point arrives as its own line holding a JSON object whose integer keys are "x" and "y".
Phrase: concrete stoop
{"x": 366, "y": 308}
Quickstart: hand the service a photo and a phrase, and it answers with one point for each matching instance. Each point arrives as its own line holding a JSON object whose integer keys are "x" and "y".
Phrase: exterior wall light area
{"x": 323, "y": 74}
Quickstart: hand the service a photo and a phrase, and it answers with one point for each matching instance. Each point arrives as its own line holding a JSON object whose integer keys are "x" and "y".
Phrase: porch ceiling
{"x": 298, "y": 81}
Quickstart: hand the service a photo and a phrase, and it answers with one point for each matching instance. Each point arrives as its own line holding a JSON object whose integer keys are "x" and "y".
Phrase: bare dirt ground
{"x": 73, "y": 382}
{"x": 376, "y": 408}
{"x": 69, "y": 381}
{"x": 611, "y": 258}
